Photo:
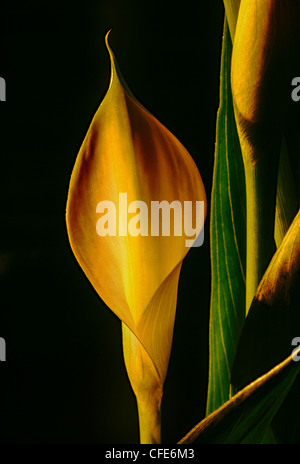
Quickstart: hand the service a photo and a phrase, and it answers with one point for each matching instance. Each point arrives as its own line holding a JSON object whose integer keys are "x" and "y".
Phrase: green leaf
{"x": 228, "y": 242}
{"x": 285, "y": 425}
{"x": 264, "y": 361}
{"x": 274, "y": 318}
{"x": 247, "y": 415}
{"x": 232, "y": 10}
{"x": 272, "y": 323}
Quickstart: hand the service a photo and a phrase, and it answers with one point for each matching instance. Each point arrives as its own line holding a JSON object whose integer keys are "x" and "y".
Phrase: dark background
{"x": 64, "y": 380}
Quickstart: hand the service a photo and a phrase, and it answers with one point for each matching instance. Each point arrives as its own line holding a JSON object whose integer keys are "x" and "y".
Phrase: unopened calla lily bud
{"x": 131, "y": 219}
{"x": 264, "y": 47}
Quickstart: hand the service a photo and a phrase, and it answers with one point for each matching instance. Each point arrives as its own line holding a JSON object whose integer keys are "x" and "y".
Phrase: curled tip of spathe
{"x": 107, "y": 44}
{"x": 106, "y": 38}
{"x": 115, "y": 70}
{"x": 111, "y": 55}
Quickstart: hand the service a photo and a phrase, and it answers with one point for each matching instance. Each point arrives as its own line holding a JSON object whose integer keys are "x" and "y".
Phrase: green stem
{"x": 261, "y": 196}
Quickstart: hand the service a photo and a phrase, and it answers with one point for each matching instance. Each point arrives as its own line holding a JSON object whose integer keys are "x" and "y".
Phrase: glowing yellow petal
{"x": 126, "y": 150}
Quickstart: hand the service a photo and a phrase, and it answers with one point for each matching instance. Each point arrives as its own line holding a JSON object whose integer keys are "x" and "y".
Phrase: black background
{"x": 64, "y": 380}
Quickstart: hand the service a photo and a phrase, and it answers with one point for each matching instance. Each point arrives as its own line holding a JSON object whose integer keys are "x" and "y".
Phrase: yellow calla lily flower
{"x": 127, "y": 162}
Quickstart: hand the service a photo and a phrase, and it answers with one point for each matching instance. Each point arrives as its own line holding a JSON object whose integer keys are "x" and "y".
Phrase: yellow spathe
{"x": 127, "y": 150}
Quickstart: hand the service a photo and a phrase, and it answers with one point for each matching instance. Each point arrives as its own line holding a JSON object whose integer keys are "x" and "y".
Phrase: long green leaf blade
{"x": 262, "y": 363}
{"x": 271, "y": 325}
{"x": 228, "y": 242}
{"x": 274, "y": 318}
{"x": 247, "y": 415}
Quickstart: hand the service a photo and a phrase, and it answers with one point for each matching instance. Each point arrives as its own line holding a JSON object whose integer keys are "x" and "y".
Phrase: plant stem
{"x": 149, "y": 422}
{"x": 261, "y": 196}
{"x": 147, "y": 387}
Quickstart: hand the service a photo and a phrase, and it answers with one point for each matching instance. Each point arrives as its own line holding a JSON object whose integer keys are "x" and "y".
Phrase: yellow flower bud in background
{"x": 265, "y": 44}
